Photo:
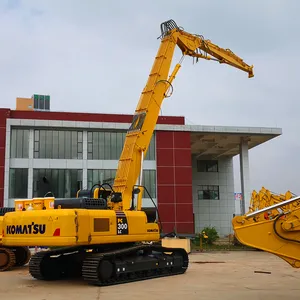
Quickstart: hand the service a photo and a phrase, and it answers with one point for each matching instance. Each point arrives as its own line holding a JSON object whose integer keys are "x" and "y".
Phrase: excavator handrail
{"x": 268, "y": 208}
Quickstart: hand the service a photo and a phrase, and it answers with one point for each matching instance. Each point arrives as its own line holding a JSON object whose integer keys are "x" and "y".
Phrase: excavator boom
{"x": 147, "y": 111}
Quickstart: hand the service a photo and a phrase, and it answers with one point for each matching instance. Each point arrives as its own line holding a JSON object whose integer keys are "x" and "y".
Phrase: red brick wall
{"x": 4, "y": 113}
{"x": 174, "y": 181}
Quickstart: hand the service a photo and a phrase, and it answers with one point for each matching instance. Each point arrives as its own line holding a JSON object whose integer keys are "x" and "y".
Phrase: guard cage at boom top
{"x": 167, "y": 26}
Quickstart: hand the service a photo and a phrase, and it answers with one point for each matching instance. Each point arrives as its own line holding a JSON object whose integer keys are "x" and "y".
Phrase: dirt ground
{"x": 217, "y": 275}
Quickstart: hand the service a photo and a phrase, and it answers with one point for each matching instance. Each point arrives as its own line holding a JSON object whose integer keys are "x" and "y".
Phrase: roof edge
{"x": 222, "y": 129}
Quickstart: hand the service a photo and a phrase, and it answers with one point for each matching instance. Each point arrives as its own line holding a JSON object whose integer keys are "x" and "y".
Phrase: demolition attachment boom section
{"x": 159, "y": 82}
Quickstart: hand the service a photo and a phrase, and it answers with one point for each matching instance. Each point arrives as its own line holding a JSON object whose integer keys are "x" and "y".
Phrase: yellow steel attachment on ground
{"x": 265, "y": 198}
{"x": 274, "y": 228}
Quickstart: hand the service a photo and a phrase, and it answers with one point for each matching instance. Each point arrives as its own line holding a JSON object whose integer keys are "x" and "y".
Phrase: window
{"x": 41, "y": 102}
{"x": 58, "y": 144}
{"x": 36, "y": 101}
{"x": 19, "y": 143}
{"x": 108, "y": 175}
{"x": 208, "y": 192}
{"x": 100, "y": 176}
{"x": 18, "y": 183}
{"x": 149, "y": 181}
{"x": 63, "y": 183}
{"x": 47, "y": 102}
{"x": 105, "y": 145}
{"x": 109, "y": 145}
{"x": 151, "y": 149}
{"x": 207, "y": 165}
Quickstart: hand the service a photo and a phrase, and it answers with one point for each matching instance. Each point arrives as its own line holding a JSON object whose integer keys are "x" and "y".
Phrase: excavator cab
{"x": 104, "y": 192}
{"x": 96, "y": 192}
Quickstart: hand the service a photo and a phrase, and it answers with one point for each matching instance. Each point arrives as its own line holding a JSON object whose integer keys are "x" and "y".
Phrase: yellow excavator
{"x": 103, "y": 235}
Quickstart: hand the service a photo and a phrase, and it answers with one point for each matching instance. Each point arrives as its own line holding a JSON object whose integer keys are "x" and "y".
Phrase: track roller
{"x": 7, "y": 259}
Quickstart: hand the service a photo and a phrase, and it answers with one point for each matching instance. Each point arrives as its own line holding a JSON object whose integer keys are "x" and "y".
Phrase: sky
{"x": 95, "y": 56}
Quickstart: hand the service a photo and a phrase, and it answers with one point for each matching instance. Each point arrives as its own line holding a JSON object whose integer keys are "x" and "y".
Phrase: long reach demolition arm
{"x": 147, "y": 111}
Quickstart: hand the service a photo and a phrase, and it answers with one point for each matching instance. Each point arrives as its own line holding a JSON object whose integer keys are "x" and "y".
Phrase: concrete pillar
{"x": 84, "y": 157}
{"x": 245, "y": 176}
{"x": 30, "y": 164}
{"x": 7, "y": 165}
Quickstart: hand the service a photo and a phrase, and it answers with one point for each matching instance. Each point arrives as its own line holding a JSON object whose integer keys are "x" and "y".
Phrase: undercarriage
{"x": 110, "y": 264}
{"x": 13, "y": 257}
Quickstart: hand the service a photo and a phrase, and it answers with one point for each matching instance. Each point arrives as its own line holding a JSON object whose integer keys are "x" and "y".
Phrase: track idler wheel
{"x": 7, "y": 259}
{"x": 23, "y": 256}
{"x": 105, "y": 270}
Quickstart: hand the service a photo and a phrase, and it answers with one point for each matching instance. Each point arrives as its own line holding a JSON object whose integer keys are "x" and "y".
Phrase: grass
{"x": 220, "y": 247}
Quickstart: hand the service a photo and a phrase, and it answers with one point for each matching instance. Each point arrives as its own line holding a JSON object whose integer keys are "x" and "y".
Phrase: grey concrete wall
{"x": 217, "y": 213}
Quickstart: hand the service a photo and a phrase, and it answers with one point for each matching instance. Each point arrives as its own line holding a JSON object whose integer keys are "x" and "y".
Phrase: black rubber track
{"x": 44, "y": 267}
{"x": 78, "y": 263}
{"x": 92, "y": 264}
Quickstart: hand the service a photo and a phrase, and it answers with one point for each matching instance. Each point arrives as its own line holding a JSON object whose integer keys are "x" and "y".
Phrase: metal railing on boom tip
{"x": 268, "y": 208}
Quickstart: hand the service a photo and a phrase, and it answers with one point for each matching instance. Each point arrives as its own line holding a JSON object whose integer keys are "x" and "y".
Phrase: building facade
{"x": 188, "y": 170}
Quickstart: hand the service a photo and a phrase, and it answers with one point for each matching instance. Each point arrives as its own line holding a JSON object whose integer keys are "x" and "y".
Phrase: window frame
{"x": 18, "y": 176}
{"x": 19, "y": 142}
{"x": 207, "y": 192}
{"x": 108, "y": 145}
{"x": 41, "y": 102}
{"x": 58, "y": 144}
{"x": 64, "y": 183}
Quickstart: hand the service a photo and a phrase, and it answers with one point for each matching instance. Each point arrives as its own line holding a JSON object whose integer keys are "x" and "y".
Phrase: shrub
{"x": 211, "y": 233}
